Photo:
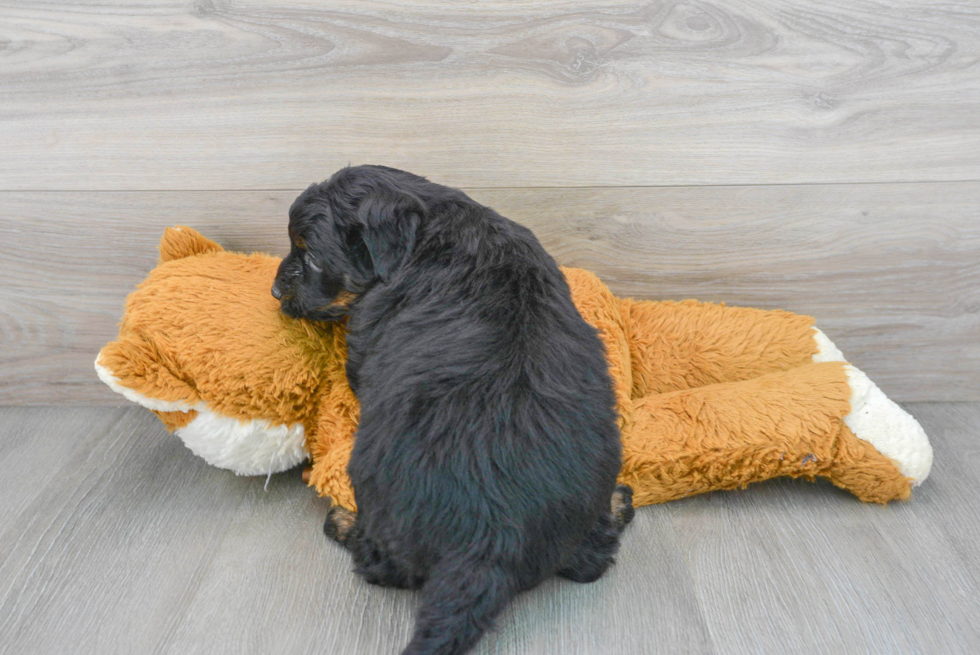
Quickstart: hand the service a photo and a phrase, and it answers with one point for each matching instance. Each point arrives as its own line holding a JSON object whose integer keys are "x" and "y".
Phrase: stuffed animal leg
{"x": 730, "y": 434}
{"x": 727, "y": 396}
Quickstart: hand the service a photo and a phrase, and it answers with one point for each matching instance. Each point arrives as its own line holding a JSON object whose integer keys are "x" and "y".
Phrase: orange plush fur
{"x": 709, "y": 397}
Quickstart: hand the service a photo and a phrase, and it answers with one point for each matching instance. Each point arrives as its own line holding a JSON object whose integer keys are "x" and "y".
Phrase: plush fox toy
{"x": 709, "y": 397}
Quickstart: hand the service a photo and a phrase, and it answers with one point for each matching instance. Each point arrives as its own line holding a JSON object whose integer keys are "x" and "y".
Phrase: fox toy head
{"x": 203, "y": 345}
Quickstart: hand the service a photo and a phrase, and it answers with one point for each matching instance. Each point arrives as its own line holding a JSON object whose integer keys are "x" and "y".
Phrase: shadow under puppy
{"x": 487, "y": 451}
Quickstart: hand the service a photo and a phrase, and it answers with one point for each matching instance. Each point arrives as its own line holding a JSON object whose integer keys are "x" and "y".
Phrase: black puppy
{"x": 487, "y": 451}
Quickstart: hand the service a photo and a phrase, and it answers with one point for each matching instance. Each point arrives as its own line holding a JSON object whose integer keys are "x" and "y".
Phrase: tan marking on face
{"x": 343, "y": 300}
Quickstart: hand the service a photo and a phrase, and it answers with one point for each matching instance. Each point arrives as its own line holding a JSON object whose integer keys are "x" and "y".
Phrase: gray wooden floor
{"x": 115, "y": 539}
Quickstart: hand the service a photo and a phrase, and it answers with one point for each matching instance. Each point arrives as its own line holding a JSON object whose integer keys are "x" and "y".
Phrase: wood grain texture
{"x": 107, "y": 556}
{"x": 34, "y": 450}
{"x": 891, "y": 272}
{"x": 952, "y": 529}
{"x": 210, "y": 94}
{"x": 276, "y": 585}
{"x": 790, "y": 566}
{"x": 136, "y": 545}
{"x": 644, "y": 604}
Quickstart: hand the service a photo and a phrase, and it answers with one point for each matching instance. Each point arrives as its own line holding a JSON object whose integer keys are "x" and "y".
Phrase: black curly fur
{"x": 487, "y": 450}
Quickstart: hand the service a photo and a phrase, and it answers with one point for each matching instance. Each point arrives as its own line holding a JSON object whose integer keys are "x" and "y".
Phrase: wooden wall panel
{"x": 891, "y": 272}
{"x": 209, "y": 94}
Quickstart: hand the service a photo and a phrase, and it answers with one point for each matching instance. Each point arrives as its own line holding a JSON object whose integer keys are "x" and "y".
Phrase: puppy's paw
{"x": 339, "y": 524}
{"x": 622, "y": 505}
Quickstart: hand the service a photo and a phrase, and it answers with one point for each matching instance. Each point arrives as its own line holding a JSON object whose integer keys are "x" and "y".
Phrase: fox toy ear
{"x": 389, "y": 220}
{"x": 179, "y": 242}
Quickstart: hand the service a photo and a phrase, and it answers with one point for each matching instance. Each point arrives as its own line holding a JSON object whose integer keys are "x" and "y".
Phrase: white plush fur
{"x": 889, "y": 428}
{"x": 150, "y": 403}
{"x": 826, "y": 350}
{"x": 256, "y": 447}
{"x": 880, "y": 421}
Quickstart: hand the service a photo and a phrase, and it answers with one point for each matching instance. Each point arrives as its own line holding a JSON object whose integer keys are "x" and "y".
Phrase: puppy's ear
{"x": 390, "y": 220}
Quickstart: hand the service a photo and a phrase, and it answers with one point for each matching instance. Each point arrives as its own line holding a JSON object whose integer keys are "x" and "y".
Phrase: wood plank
{"x": 948, "y": 504}
{"x": 790, "y": 566}
{"x": 645, "y": 603}
{"x": 891, "y": 272}
{"x": 137, "y": 546}
{"x": 34, "y": 450}
{"x": 212, "y": 95}
{"x": 254, "y": 572}
{"x": 277, "y": 585}
{"x": 108, "y": 555}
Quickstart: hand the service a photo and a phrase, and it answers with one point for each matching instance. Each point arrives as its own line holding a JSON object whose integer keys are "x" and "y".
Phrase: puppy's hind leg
{"x": 377, "y": 566}
{"x": 371, "y": 561}
{"x": 597, "y": 551}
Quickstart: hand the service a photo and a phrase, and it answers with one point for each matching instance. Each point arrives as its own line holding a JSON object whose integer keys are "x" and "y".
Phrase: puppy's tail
{"x": 459, "y": 602}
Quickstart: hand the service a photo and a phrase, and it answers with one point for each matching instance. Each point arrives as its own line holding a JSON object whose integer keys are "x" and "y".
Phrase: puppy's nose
{"x": 276, "y": 291}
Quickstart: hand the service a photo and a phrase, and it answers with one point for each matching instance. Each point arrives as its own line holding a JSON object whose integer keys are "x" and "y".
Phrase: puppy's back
{"x": 487, "y": 448}
{"x": 486, "y": 397}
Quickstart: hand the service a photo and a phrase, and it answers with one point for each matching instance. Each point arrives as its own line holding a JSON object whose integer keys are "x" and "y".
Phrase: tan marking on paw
{"x": 621, "y": 505}
{"x": 343, "y": 520}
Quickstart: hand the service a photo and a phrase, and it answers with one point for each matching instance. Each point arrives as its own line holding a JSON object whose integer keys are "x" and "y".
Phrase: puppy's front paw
{"x": 622, "y": 505}
{"x": 339, "y": 524}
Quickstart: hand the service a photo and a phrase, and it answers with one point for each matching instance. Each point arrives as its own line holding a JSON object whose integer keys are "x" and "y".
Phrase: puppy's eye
{"x": 311, "y": 262}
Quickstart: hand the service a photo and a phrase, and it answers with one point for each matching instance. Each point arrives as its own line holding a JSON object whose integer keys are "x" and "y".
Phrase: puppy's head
{"x": 347, "y": 234}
